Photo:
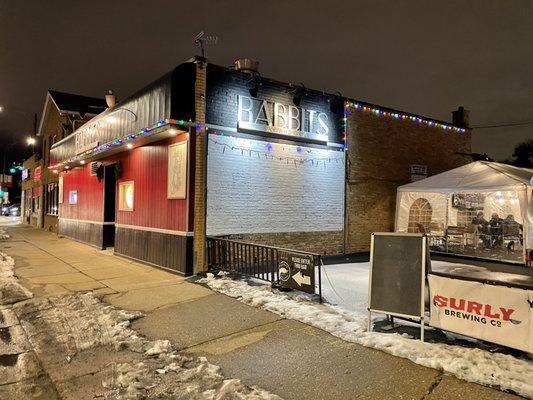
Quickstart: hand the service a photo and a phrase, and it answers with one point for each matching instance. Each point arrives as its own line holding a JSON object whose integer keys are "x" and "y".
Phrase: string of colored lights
{"x": 128, "y": 138}
{"x": 315, "y": 161}
{"x": 399, "y": 115}
{"x": 345, "y": 128}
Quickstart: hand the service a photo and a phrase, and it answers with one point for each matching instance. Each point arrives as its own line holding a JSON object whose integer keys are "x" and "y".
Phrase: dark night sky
{"x": 416, "y": 56}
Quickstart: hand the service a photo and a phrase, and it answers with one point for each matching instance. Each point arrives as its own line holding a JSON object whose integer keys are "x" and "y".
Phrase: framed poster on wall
{"x": 126, "y": 195}
{"x": 177, "y": 171}
{"x": 73, "y": 197}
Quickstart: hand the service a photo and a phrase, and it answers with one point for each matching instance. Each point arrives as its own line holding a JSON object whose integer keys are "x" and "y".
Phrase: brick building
{"x": 213, "y": 151}
{"x": 31, "y": 208}
{"x": 62, "y": 114}
{"x": 383, "y": 144}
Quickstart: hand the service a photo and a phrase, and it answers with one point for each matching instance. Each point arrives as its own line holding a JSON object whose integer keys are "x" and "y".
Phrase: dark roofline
{"x": 98, "y": 102}
{"x": 340, "y": 96}
{"x": 50, "y": 94}
{"x": 396, "y": 111}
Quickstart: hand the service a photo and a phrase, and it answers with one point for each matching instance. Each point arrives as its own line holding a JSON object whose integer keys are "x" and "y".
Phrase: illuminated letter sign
{"x": 281, "y": 119}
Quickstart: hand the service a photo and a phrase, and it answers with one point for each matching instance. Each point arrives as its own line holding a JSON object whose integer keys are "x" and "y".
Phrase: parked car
{"x": 5, "y": 209}
{"x": 14, "y": 210}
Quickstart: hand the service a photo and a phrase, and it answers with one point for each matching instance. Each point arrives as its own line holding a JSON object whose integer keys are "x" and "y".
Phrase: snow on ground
{"x": 10, "y": 290}
{"x": 9, "y": 221}
{"x": 3, "y": 235}
{"x": 72, "y": 324}
{"x": 66, "y": 326}
{"x": 345, "y": 286}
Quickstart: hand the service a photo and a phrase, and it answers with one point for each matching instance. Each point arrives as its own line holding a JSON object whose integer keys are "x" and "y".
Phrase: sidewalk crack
{"x": 433, "y": 385}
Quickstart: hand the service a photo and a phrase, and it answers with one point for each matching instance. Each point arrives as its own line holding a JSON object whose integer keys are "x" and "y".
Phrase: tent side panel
{"x": 433, "y": 217}
{"x": 526, "y": 206}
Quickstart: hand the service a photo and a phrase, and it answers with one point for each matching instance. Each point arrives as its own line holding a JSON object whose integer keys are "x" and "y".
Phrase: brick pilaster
{"x": 200, "y": 175}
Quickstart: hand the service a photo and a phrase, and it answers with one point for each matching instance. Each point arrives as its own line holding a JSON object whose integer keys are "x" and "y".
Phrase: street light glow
{"x": 30, "y": 141}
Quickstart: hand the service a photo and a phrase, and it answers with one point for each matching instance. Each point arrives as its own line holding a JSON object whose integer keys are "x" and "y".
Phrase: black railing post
{"x": 259, "y": 261}
{"x": 320, "y": 278}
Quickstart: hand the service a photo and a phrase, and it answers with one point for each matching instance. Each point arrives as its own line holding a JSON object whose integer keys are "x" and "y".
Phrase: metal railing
{"x": 255, "y": 260}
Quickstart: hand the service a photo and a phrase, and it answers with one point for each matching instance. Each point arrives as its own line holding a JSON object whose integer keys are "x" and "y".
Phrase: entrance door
{"x": 109, "y": 205}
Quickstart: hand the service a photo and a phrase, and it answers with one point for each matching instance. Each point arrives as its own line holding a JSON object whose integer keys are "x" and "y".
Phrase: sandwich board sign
{"x": 296, "y": 271}
{"x": 398, "y": 276}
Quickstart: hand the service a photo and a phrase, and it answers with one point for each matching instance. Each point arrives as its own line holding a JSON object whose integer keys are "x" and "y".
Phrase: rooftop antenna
{"x": 202, "y": 39}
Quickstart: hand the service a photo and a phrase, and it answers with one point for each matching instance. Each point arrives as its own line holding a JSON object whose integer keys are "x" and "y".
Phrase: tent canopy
{"x": 478, "y": 176}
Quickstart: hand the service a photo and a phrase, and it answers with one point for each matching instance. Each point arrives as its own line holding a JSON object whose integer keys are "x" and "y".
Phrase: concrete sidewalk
{"x": 285, "y": 357}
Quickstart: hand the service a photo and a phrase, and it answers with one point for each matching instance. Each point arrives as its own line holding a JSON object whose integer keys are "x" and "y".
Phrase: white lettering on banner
{"x": 111, "y": 127}
{"x": 497, "y": 314}
{"x": 266, "y": 116}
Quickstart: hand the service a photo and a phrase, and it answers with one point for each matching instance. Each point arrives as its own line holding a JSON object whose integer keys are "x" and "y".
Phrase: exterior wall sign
{"x": 498, "y": 314}
{"x": 25, "y": 174}
{"x": 37, "y": 174}
{"x": 177, "y": 171}
{"x": 297, "y": 271}
{"x": 73, "y": 197}
{"x": 7, "y": 180}
{"x": 282, "y": 119}
{"x": 418, "y": 172}
{"x": 142, "y": 110}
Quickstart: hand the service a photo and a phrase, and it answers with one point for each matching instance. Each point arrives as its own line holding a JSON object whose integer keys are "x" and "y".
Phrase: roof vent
{"x": 247, "y": 65}
{"x": 110, "y": 98}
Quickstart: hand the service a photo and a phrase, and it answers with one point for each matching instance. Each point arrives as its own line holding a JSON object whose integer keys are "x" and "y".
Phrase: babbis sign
{"x": 282, "y": 119}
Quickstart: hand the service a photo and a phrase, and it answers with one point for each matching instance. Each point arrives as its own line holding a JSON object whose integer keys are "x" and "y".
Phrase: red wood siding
{"x": 90, "y": 195}
{"x": 146, "y": 166}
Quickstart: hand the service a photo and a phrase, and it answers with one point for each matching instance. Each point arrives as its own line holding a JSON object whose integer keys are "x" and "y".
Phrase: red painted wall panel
{"x": 90, "y": 195}
{"x": 147, "y": 167}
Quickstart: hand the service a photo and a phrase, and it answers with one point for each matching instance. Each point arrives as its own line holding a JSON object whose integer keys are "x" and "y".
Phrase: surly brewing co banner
{"x": 496, "y": 314}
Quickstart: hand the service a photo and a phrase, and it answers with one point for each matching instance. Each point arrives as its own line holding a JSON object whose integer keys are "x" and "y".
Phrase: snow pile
{"x": 3, "y": 235}
{"x": 70, "y": 324}
{"x": 10, "y": 290}
{"x": 167, "y": 374}
{"x": 474, "y": 365}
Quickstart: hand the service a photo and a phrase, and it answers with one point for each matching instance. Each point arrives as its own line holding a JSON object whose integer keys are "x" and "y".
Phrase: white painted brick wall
{"x": 250, "y": 193}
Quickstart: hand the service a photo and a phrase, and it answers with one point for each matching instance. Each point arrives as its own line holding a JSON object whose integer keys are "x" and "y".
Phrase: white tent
{"x": 453, "y": 198}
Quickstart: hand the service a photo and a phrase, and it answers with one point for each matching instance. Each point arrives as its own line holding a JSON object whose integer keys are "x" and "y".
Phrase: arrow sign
{"x": 296, "y": 270}
{"x": 301, "y": 279}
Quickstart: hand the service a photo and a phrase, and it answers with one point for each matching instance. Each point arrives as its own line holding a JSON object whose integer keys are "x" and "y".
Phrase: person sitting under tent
{"x": 482, "y": 228}
{"x": 496, "y": 229}
{"x": 480, "y": 221}
{"x": 512, "y": 230}
{"x": 509, "y": 220}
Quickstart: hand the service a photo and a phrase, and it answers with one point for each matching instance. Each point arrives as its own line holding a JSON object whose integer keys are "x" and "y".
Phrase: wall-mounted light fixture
{"x": 254, "y": 90}
{"x": 299, "y": 94}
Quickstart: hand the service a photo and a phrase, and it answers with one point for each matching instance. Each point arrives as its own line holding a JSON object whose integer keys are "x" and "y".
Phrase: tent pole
{"x": 446, "y": 221}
